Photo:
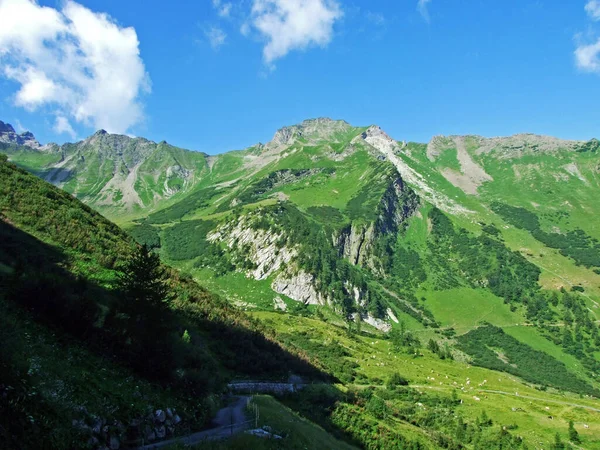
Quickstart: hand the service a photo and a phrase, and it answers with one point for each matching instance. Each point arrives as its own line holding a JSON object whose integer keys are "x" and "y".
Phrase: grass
{"x": 449, "y": 159}
{"x": 531, "y": 337}
{"x": 352, "y": 174}
{"x": 497, "y": 391}
{"x": 34, "y": 162}
{"x": 299, "y": 432}
{"x": 239, "y": 289}
{"x": 464, "y": 308}
{"x": 514, "y": 179}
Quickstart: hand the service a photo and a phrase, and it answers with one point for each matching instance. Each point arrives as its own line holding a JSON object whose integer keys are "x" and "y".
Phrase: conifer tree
{"x": 143, "y": 281}
{"x": 558, "y": 443}
{"x": 573, "y": 434}
{"x": 145, "y": 305}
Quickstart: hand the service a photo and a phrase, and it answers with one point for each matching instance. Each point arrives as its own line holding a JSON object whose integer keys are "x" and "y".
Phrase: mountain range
{"x": 484, "y": 250}
{"x": 355, "y": 184}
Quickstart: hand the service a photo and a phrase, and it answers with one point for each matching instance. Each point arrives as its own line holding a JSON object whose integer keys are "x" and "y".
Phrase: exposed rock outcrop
{"x": 356, "y": 241}
{"x": 261, "y": 247}
{"x": 8, "y": 135}
{"x": 381, "y": 325}
{"x": 379, "y": 140}
{"x": 279, "y": 304}
{"x": 300, "y": 287}
{"x": 265, "y": 250}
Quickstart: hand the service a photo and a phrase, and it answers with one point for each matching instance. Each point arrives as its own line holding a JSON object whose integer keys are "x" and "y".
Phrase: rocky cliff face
{"x": 258, "y": 246}
{"x": 267, "y": 254}
{"x": 8, "y": 135}
{"x": 356, "y": 241}
{"x": 263, "y": 250}
{"x": 300, "y": 287}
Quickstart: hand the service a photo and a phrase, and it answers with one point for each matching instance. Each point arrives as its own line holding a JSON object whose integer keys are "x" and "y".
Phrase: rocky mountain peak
{"x": 6, "y": 128}
{"x": 322, "y": 128}
{"x": 8, "y": 135}
{"x": 108, "y": 138}
{"x": 379, "y": 139}
{"x": 324, "y": 122}
{"x": 284, "y": 135}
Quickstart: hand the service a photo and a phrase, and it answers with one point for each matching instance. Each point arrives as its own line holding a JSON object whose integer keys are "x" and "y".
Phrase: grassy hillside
{"x": 64, "y": 313}
{"x": 443, "y": 404}
{"x": 117, "y": 175}
{"x": 453, "y": 260}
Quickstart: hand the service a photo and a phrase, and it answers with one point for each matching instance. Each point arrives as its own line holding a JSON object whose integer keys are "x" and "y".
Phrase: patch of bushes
{"x": 145, "y": 234}
{"x": 192, "y": 202}
{"x": 592, "y": 146}
{"x": 490, "y": 347}
{"x": 331, "y": 356}
{"x": 396, "y": 380}
{"x": 577, "y": 245}
{"x": 187, "y": 240}
{"x": 258, "y": 189}
{"x": 478, "y": 261}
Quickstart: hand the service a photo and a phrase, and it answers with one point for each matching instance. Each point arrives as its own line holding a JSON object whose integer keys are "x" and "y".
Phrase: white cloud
{"x": 19, "y": 126}
{"x": 245, "y": 29}
{"x": 375, "y": 18}
{"x": 223, "y": 8}
{"x": 423, "y": 10}
{"x": 593, "y": 9}
{"x": 80, "y": 63}
{"x": 216, "y": 37}
{"x": 62, "y": 125}
{"x": 288, "y": 25}
{"x": 587, "y": 57}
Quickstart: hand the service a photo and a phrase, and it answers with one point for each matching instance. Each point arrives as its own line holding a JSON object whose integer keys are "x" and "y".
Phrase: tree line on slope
{"x": 490, "y": 347}
{"x": 575, "y": 244}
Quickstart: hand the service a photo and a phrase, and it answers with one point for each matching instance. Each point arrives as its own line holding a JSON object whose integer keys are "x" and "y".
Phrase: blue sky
{"x": 217, "y": 75}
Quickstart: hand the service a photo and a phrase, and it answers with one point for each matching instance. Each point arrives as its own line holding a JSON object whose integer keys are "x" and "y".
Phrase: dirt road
{"x": 228, "y": 421}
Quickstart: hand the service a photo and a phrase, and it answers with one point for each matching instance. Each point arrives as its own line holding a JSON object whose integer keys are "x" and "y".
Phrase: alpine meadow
{"x": 339, "y": 286}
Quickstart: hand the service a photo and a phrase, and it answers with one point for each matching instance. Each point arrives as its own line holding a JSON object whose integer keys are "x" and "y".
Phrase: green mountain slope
{"x": 115, "y": 174}
{"x": 76, "y": 354}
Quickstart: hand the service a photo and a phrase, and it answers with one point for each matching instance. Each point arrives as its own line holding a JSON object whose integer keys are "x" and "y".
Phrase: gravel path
{"x": 229, "y": 421}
